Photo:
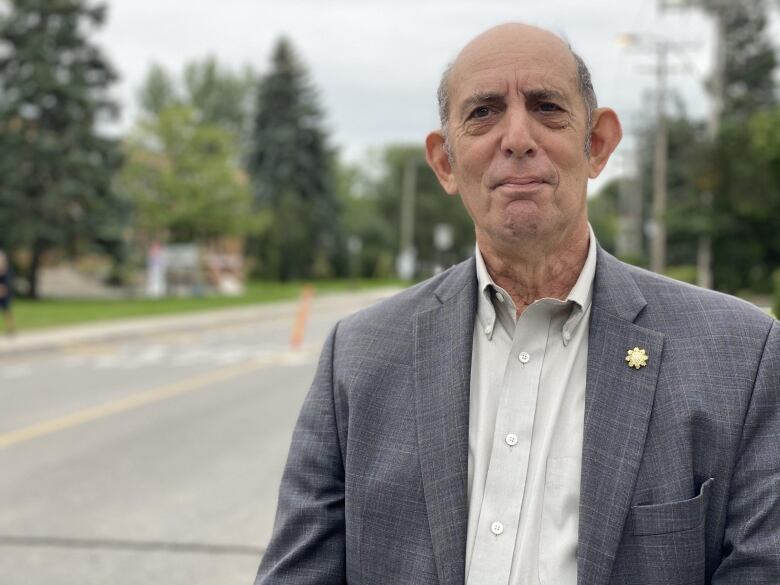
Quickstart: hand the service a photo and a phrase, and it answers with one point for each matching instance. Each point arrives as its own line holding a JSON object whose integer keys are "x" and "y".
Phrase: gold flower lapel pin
{"x": 636, "y": 358}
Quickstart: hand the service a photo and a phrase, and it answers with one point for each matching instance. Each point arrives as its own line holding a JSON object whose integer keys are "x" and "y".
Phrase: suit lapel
{"x": 618, "y": 403}
{"x": 442, "y": 371}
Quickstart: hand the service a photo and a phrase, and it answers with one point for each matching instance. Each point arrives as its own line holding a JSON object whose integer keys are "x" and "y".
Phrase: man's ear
{"x": 437, "y": 158}
{"x": 605, "y": 135}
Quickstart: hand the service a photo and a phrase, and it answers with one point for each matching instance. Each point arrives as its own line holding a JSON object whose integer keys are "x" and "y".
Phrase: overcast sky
{"x": 376, "y": 63}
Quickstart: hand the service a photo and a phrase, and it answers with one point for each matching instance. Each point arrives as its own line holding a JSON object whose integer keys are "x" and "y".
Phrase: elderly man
{"x": 541, "y": 413}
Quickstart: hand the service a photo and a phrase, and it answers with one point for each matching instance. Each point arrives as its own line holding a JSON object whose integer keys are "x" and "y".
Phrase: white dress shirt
{"x": 526, "y": 415}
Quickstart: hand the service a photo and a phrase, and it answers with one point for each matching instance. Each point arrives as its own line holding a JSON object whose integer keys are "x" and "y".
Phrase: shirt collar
{"x": 580, "y": 296}
{"x": 486, "y": 311}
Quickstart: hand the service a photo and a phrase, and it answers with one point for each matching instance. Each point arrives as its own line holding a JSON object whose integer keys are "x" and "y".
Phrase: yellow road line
{"x": 127, "y": 404}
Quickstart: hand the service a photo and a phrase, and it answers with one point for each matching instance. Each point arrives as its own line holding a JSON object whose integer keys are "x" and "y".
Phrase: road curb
{"x": 59, "y": 338}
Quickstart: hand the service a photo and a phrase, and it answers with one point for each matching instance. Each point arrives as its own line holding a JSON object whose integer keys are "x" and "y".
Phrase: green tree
{"x": 603, "y": 214}
{"x": 183, "y": 178}
{"x": 431, "y": 206}
{"x": 55, "y": 169}
{"x": 364, "y": 222}
{"x": 220, "y": 96}
{"x": 293, "y": 175}
{"x": 158, "y": 92}
{"x": 750, "y": 57}
{"x": 744, "y": 221}
{"x": 688, "y": 175}
{"x": 216, "y": 94}
{"x": 750, "y": 199}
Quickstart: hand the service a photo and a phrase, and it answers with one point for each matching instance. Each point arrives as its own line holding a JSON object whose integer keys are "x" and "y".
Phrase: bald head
{"x": 520, "y": 37}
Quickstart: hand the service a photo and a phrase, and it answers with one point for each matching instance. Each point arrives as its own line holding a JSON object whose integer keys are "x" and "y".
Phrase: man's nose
{"x": 518, "y": 138}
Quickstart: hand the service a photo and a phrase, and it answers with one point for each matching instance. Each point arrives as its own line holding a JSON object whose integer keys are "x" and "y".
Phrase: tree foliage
{"x": 603, "y": 214}
{"x": 373, "y": 200}
{"x": 183, "y": 178}
{"x": 432, "y": 206}
{"x": 745, "y": 209}
{"x": 747, "y": 202}
{"x": 158, "y": 92}
{"x": 689, "y": 174}
{"x": 364, "y": 222}
{"x": 293, "y": 175}
{"x": 55, "y": 169}
{"x": 217, "y": 95}
{"x": 750, "y": 57}
{"x": 735, "y": 167}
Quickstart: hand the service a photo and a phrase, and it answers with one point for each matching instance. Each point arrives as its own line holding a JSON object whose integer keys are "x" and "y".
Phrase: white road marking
{"x": 16, "y": 372}
{"x": 107, "y": 361}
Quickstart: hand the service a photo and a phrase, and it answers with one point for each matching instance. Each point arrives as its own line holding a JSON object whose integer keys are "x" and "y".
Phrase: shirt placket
{"x": 500, "y": 514}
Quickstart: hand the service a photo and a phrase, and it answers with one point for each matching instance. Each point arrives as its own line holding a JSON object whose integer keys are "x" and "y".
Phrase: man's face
{"x": 517, "y": 132}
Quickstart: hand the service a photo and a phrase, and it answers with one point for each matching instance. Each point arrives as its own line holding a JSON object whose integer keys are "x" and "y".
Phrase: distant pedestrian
{"x": 6, "y": 292}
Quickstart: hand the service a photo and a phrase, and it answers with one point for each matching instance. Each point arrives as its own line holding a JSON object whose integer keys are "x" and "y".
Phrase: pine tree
{"x": 292, "y": 169}
{"x": 55, "y": 170}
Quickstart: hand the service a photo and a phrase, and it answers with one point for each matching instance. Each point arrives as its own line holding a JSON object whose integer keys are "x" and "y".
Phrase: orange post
{"x": 299, "y": 327}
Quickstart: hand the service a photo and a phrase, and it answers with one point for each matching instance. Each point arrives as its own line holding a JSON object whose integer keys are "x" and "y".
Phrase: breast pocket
{"x": 671, "y": 516}
{"x": 560, "y": 513}
{"x": 664, "y": 543}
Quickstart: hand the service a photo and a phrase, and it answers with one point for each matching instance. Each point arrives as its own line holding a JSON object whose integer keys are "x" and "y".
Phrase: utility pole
{"x": 628, "y": 240}
{"x": 660, "y": 158}
{"x": 717, "y": 9}
{"x": 406, "y": 262}
{"x": 657, "y": 227}
{"x": 628, "y": 243}
{"x": 704, "y": 251}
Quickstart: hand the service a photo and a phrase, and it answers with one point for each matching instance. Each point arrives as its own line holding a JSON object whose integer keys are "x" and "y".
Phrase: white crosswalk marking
{"x": 16, "y": 372}
{"x": 167, "y": 355}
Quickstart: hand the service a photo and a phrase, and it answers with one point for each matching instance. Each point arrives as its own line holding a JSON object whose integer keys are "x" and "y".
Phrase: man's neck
{"x": 531, "y": 272}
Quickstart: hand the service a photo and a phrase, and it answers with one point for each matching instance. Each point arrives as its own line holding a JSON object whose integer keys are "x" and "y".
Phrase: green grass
{"x": 37, "y": 314}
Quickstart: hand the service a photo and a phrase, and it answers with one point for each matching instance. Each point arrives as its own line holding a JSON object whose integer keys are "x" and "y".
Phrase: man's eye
{"x": 480, "y": 112}
{"x": 549, "y": 107}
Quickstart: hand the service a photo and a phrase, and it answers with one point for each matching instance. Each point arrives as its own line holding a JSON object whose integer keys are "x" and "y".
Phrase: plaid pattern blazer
{"x": 681, "y": 459}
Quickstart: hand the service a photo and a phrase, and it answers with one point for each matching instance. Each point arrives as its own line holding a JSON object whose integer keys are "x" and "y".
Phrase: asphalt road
{"x": 155, "y": 460}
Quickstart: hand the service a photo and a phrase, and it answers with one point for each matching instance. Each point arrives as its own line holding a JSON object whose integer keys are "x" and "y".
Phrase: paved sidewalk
{"x": 56, "y": 338}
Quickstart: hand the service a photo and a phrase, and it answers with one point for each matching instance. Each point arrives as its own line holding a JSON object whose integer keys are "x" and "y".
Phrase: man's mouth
{"x": 523, "y": 183}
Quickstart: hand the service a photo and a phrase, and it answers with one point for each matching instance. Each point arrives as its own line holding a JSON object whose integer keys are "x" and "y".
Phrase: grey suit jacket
{"x": 681, "y": 459}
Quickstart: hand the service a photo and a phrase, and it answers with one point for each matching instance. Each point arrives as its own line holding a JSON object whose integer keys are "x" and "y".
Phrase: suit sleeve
{"x": 308, "y": 542}
{"x": 751, "y": 551}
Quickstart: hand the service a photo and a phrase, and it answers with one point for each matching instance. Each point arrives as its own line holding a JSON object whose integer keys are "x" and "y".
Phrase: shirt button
{"x": 524, "y": 357}
{"x": 496, "y": 528}
{"x": 499, "y": 297}
{"x": 488, "y": 329}
{"x": 511, "y": 439}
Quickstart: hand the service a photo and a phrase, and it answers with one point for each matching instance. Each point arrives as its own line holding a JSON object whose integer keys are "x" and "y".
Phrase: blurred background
{"x": 192, "y": 194}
